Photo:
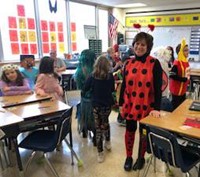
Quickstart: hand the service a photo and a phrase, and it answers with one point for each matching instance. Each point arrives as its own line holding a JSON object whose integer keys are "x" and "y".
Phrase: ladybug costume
{"x": 140, "y": 94}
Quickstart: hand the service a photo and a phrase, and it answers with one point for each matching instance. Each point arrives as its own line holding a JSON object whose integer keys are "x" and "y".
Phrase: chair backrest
{"x": 64, "y": 125}
{"x": 164, "y": 146}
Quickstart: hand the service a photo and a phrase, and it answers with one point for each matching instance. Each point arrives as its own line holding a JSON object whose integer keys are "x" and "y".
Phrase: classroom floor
{"x": 111, "y": 167}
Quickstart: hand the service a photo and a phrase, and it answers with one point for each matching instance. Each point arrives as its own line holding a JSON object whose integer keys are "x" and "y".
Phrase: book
{"x": 192, "y": 122}
{"x": 195, "y": 106}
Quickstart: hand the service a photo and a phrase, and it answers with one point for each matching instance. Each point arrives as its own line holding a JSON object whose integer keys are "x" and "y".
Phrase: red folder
{"x": 192, "y": 122}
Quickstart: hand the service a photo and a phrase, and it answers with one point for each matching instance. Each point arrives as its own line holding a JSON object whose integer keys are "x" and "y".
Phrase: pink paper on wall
{"x": 45, "y": 47}
{"x": 73, "y": 26}
{"x": 53, "y": 46}
{"x": 74, "y": 46}
{"x": 12, "y": 22}
{"x": 44, "y": 26}
{"x": 60, "y": 37}
{"x": 15, "y": 48}
{"x": 20, "y": 10}
{"x": 60, "y": 26}
{"x": 52, "y": 26}
{"x": 24, "y": 49}
{"x": 33, "y": 48}
{"x": 31, "y": 23}
{"x": 45, "y": 37}
{"x": 13, "y": 35}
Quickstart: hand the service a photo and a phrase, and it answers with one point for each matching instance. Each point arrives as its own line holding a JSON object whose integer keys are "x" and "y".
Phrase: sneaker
{"x": 107, "y": 145}
{"x": 128, "y": 164}
{"x": 139, "y": 164}
{"x": 100, "y": 157}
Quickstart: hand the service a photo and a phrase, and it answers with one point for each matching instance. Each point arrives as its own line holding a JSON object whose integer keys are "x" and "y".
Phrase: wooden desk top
{"x": 8, "y": 118}
{"x": 8, "y": 101}
{"x": 174, "y": 121}
{"x": 195, "y": 72}
{"x": 36, "y": 109}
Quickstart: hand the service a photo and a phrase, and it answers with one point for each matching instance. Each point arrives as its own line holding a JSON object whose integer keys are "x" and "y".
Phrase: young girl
{"x": 101, "y": 84}
{"x": 12, "y": 81}
{"x": 47, "y": 82}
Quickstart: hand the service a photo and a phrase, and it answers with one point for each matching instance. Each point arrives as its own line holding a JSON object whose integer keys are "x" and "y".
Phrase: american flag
{"x": 112, "y": 26}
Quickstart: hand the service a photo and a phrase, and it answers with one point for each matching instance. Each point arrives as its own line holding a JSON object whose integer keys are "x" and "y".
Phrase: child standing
{"x": 47, "y": 82}
{"x": 12, "y": 82}
{"x": 101, "y": 84}
{"x": 180, "y": 75}
{"x": 28, "y": 69}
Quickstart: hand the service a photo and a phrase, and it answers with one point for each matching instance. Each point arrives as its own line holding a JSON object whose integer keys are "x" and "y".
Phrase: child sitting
{"x": 47, "y": 82}
{"x": 28, "y": 69}
{"x": 12, "y": 82}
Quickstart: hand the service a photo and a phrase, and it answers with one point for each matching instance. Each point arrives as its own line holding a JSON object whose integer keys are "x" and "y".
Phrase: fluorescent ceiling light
{"x": 131, "y": 5}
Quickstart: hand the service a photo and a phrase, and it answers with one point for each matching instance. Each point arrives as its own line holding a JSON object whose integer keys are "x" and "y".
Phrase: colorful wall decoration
{"x": 73, "y": 36}
{"x": 165, "y": 20}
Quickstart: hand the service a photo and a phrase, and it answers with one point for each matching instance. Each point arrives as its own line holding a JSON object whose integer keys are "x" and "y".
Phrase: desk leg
{"x": 19, "y": 162}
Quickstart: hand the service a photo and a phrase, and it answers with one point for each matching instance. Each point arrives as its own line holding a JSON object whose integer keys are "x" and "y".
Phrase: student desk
{"x": 67, "y": 78}
{"x": 174, "y": 121}
{"x": 9, "y": 101}
{"x": 34, "y": 114}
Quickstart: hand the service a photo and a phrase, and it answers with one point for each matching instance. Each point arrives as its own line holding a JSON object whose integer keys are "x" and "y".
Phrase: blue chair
{"x": 164, "y": 146}
{"x": 47, "y": 140}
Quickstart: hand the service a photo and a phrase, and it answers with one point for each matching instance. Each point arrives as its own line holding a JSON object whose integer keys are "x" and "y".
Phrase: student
{"x": 59, "y": 64}
{"x": 140, "y": 95}
{"x": 171, "y": 61}
{"x": 83, "y": 71}
{"x": 180, "y": 75}
{"x": 47, "y": 82}
{"x": 101, "y": 84}
{"x": 28, "y": 69}
{"x": 12, "y": 82}
{"x": 164, "y": 57}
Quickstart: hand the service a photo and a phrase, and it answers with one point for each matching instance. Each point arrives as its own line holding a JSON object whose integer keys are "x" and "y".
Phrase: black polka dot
{"x": 141, "y": 95}
{"x": 131, "y": 116}
{"x": 130, "y": 83}
{"x": 133, "y": 94}
{"x": 126, "y": 114}
{"x": 139, "y": 116}
{"x": 139, "y": 84}
{"x": 144, "y": 71}
{"x": 137, "y": 107}
{"x": 131, "y": 104}
{"x": 134, "y": 70}
{"x": 152, "y": 60}
{"x": 144, "y": 107}
{"x": 126, "y": 106}
{"x": 148, "y": 84}
{"x": 126, "y": 72}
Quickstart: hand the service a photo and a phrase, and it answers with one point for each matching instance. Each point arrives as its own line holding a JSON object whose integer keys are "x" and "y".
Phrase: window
{"x": 80, "y": 15}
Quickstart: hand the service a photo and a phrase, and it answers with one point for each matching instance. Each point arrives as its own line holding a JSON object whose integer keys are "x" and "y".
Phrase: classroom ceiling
{"x": 149, "y": 3}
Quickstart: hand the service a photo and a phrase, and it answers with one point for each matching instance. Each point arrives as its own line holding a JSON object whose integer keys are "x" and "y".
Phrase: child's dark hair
{"x": 178, "y": 47}
{"x": 19, "y": 81}
{"x": 101, "y": 68}
{"x": 172, "y": 53}
{"x": 47, "y": 66}
{"x": 147, "y": 37}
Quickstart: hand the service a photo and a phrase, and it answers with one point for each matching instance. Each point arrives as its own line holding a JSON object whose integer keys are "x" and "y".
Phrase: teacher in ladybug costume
{"x": 140, "y": 95}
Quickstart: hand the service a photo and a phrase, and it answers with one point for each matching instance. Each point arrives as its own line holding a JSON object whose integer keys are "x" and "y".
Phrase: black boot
{"x": 139, "y": 164}
{"x": 128, "y": 164}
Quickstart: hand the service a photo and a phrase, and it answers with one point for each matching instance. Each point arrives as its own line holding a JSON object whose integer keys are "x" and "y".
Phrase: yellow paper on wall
{"x": 23, "y": 36}
{"x": 73, "y": 35}
{"x": 61, "y": 47}
{"x": 53, "y": 37}
{"x": 22, "y": 23}
{"x": 32, "y": 36}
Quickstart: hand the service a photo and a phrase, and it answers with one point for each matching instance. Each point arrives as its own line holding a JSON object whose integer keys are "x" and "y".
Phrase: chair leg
{"x": 147, "y": 167}
{"x": 154, "y": 165}
{"x": 50, "y": 165}
{"x": 73, "y": 153}
{"x": 29, "y": 160}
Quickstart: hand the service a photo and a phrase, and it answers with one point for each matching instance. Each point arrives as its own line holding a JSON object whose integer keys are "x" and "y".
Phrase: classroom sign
{"x": 164, "y": 20}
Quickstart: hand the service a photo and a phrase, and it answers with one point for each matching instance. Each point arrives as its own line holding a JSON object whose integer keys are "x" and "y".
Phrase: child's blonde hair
{"x": 102, "y": 67}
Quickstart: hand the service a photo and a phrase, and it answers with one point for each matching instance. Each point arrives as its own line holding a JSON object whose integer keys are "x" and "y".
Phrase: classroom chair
{"x": 163, "y": 145}
{"x": 47, "y": 140}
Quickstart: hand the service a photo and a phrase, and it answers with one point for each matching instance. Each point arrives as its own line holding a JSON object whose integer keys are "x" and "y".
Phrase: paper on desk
{"x": 192, "y": 122}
